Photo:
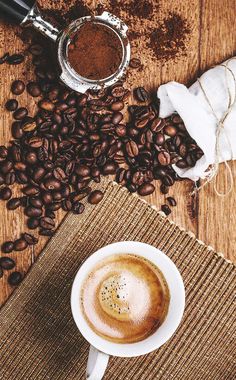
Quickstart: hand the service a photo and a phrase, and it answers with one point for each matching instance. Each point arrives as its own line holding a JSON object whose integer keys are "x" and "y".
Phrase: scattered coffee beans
{"x": 73, "y": 139}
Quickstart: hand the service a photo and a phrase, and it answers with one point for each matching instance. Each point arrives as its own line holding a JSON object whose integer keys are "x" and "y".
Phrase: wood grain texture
{"x": 212, "y": 40}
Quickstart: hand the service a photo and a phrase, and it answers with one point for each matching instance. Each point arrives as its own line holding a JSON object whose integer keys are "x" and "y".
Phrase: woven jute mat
{"x": 39, "y": 339}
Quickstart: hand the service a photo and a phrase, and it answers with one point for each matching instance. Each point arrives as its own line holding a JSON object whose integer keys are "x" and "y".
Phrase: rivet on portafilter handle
{"x": 27, "y": 13}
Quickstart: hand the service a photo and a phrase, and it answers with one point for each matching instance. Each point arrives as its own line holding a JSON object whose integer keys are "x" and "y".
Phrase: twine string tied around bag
{"x": 220, "y": 131}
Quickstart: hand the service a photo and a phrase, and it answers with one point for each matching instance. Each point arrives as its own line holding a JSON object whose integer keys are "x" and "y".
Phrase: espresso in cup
{"x": 125, "y": 298}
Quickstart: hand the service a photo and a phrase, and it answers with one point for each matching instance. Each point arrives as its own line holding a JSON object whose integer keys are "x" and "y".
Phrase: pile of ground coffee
{"x": 95, "y": 51}
{"x": 168, "y": 40}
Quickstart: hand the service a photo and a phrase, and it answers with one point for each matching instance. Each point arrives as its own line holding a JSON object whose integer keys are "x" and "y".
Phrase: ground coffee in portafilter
{"x": 125, "y": 298}
{"x": 73, "y": 139}
{"x": 95, "y": 51}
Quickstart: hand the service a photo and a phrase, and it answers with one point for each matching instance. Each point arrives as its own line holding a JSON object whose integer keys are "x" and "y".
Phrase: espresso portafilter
{"x": 28, "y": 14}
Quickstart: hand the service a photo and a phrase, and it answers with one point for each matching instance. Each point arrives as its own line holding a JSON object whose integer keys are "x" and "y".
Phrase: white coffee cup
{"x": 100, "y": 348}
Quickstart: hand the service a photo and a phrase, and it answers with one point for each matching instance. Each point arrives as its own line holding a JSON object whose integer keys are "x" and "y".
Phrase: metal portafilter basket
{"x": 27, "y": 13}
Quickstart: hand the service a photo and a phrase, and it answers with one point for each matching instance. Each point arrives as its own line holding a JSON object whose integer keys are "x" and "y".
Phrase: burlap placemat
{"x": 39, "y": 339}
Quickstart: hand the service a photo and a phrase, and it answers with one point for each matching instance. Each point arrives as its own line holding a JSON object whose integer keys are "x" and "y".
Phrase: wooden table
{"x": 212, "y": 40}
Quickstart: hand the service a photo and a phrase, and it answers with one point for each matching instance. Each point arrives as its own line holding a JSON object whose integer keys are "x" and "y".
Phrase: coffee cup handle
{"x": 97, "y": 364}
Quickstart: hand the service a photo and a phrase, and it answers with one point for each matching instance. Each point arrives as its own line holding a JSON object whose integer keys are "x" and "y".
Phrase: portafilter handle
{"x": 27, "y": 13}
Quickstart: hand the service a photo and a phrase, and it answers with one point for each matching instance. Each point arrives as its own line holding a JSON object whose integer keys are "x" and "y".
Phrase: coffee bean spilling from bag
{"x": 74, "y": 139}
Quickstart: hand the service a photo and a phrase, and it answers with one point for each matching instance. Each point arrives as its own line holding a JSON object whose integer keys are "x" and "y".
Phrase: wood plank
{"x": 217, "y": 220}
{"x": 211, "y": 25}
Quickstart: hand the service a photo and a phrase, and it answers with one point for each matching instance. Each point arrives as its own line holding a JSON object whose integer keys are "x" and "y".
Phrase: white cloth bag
{"x": 208, "y": 109}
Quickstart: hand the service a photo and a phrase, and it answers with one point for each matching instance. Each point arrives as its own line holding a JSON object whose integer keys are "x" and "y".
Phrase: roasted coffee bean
{"x": 17, "y": 87}
{"x": 163, "y": 158}
{"x": 35, "y": 142}
{"x": 46, "y": 105}
{"x": 182, "y": 164}
{"x": 182, "y": 150}
{"x": 171, "y": 201}
{"x": 190, "y": 160}
{"x": 157, "y": 125}
{"x": 47, "y": 198}
{"x": 117, "y": 91}
{"x": 95, "y": 172}
{"x": 159, "y": 172}
{"x": 146, "y": 189}
{"x": 166, "y": 209}
{"x": 109, "y": 168}
{"x": 54, "y": 206}
{"x": 117, "y": 106}
{"x": 38, "y": 174}
{"x": 30, "y": 239}
{"x": 20, "y": 113}
{"x": 15, "y": 278}
{"x": 20, "y": 166}
{"x": 3, "y": 151}
{"x": 5, "y": 193}
{"x": 65, "y": 191}
{"x": 1, "y": 270}
{"x": 78, "y": 208}
{"x": 176, "y": 119}
{"x": 6, "y": 166}
{"x": 141, "y": 123}
{"x": 57, "y": 196}
{"x": 36, "y": 202}
{"x": 7, "y": 247}
{"x": 95, "y": 197}
{"x": 168, "y": 180}
{"x": 47, "y": 223}
{"x": 33, "y": 223}
{"x": 10, "y": 178}
{"x": 170, "y": 130}
{"x": 132, "y": 148}
{"x": 116, "y": 118}
{"x": 141, "y": 94}
{"x": 138, "y": 178}
{"x": 120, "y": 176}
{"x": 82, "y": 170}
{"x": 67, "y": 205}
{"x": 33, "y": 89}
{"x": 31, "y": 158}
{"x": 135, "y": 63}
{"x": 16, "y": 130}
{"x": 30, "y": 190}
{"x": 164, "y": 189}
{"x": 120, "y": 130}
{"x": 20, "y": 244}
{"x": 15, "y": 59}
{"x": 159, "y": 138}
{"x": 15, "y": 153}
{"x": 33, "y": 211}
{"x": 21, "y": 178}
{"x": 52, "y": 184}
{"x": 13, "y": 203}
{"x": 44, "y": 232}
{"x": 11, "y": 105}
{"x": 7, "y": 263}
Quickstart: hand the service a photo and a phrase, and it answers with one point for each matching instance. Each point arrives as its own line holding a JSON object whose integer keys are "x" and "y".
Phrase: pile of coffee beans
{"x": 74, "y": 139}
